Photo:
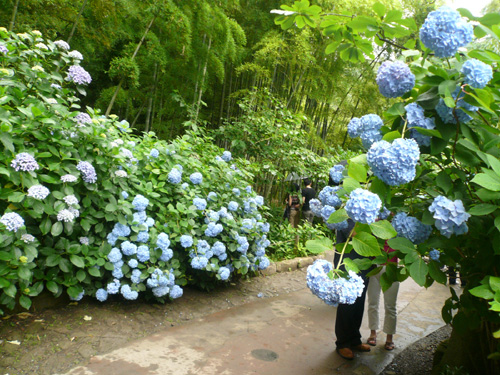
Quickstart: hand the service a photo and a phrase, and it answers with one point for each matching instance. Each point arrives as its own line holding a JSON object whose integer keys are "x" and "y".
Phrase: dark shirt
{"x": 308, "y": 194}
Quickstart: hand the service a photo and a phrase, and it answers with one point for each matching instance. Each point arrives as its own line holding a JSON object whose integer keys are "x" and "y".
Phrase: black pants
{"x": 348, "y": 321}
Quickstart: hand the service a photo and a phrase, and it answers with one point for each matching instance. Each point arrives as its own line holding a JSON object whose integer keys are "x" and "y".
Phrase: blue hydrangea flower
{"x": 136, "y": 276}
{"x": 113, "y": 287}
{"x": 82, "y": 119}
{"x": 213, "y": 229}
{"x": 370, "y": 137}
{"x": 248, "y": 189}
{"x": 115, "y": 255}
{"x": 78, "y": 297}
{"x": 3, "y": 49}
{"x": 477, "y": 73}
{"x": 226, "y": 156}
{"x": 112, "y": 238}
{"x": 101, "y": 295}
{"x": 200, "y": 203}
{"x": 394, "y": 163}
{"x": 434, "y": 254}
{"x": 124, "y": 194}
{"x": 128, "y": 248}
{"x": 175, "y": 176}
{"x": 259, "y": 199}
{"x": 363, "y": 206}
{"x": 446, "y": 113}
{"x": 336, "y": 291}
{"x": 415, "y": 117}
{"x": 140, "y": 217}
{"x": 166, "y": 255}
{"x": 354, "y": 128}
{"x": 121, "y": 230}
{"x": 161, "y": 291}
{"x": 163, "y": 241}
{"x": 236, "y": 192}
{"x": 38, "y": 192}
{"x": 264, "y": 227}
{"x": 224, "y": 273}
{"x": 218, "y": 248}
{"x": 394, "y": 79}
{"x": 87, "y": 171}
{"x": 328, "y": 196}
{"x": 450, "y": 216}
{"x": 117, "y": 273}
{"x": 186, "y": 241}
{"x": 336, "y": 173}
{"x": 232, "y": 206}
{"x": 212, "y": 216}
{"x": 150, "y": 222}
{"x": 176, "y": 292}
{"x": 196, "y": 178}
{"x": 411, "y": 228}
{"x": 316, "y": 206}
{"x": 384, "y": 213}
{"x": 78, "y": 75}
{"x": 184, "y": 186}
{"x": 326, "y": 211}
{"x": 140, "y": 203}
{"x": 128, "y": 293}
{"x": 212, "y": 196}
{"x": 264, "y": 263}
{"x": 247, "y": 225}
{"x": 142, "y": 236}
{"x": 371, "y": 122}
{"x": 24, "y": 162}
{"x": 444, "y": 31}
{"x": 143, "y": 253}
{"x": 154, "y": 153}
{"x": 133, "y": 263}
{"x": 199, "y": 263}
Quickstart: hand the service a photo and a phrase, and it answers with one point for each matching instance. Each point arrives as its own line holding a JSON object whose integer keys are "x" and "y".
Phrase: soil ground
{"x": 58, "y": 339}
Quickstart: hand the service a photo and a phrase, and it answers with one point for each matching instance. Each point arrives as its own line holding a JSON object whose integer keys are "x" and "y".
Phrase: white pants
{"x": 390, "y": 298}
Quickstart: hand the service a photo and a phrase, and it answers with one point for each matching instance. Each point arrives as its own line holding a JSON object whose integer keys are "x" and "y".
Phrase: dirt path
{"x": 56, "y": 340}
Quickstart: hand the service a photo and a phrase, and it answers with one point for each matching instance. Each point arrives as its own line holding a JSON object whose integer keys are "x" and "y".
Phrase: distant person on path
{"x": 349, "y": 317}
{"x": 390, "y": 299}
{"x": 308, "y": 193}
{"x": 294, "y": 204}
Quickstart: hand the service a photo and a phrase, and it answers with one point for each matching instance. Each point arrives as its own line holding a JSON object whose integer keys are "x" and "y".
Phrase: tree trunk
{"x": 14, "y": 13}
{"x": 150, "y": 100}
{"x": 115, "y": 94}
{"x": 198, "y": 104}
{"x": 76, "y": 21}
{"x": 138, "y": 113}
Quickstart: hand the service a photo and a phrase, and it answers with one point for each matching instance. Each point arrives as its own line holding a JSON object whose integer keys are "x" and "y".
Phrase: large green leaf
{"x": 383, "y": 229}
{"x": 319, "y": 246}
{"x": 402, "y": 244}
{"x": 365, "y": 244}
{"x": 487, "y": 181}
{"x": 338, "y": 216}
{"x": 418, "y": 271}
{"x": 482, "y": 209}
{"x": 482, "y": 291}
{"x": 357, "y": 171}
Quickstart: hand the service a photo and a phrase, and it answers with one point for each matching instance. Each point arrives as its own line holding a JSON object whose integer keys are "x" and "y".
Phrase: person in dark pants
{"x": 349, "y": 317}
{"x": 308, "y": 193}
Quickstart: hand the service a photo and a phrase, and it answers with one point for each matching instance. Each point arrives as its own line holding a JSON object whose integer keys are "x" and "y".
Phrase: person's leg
{"x": 373, "y": 307}
{"x": 391, "y": 313}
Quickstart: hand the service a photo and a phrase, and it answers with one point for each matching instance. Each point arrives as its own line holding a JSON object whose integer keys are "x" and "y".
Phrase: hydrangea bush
{"x": 88, "y": 208}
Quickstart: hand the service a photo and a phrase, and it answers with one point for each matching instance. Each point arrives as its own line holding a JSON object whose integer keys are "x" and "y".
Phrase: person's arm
{"x": 290, "y": 200}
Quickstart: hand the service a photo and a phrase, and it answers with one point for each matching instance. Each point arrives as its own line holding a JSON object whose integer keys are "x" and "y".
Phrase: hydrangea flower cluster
{"x": 434, "y": 254}
{"x": 336, "y": 173}
{"x": 394, "y": 163}
{"x": 3, "y": 49}
{"x": 200, "y": 203}
{"x": 65, "y": 215}
{"x": 154, "y": 153}
{"x": 12, "y": 221}
{"x": 196, "y": 178}
{"x": 411, "y": 228}
{"x": 226, "y": 156}
{"x": 446, "y": 113}
{"x": 24, "y": 162}
{"x": 175, "y": 176}
{"x": 368, "y": 128}
{"x": 316, "y": 206}
{"x": 333, "y": 292}
{"x": 444, "y": 31}
{"x": 69, "y": 178}
{"x": 394, "y": 79}
{"x": 450, "y": 216}
{"x": 87, "y": 171}
{"x": 477, "y": 73}
{"x": 415, "y": 117}
{"x": 39, "y": 192}
{"x": 328, "y": 196}
{"x": 62, "y": 45}
{"x": 78, "y": 75}
{"x": 363, "y": 206}
{"x": 75, "y": 55}
{"x": 82, "y": 119}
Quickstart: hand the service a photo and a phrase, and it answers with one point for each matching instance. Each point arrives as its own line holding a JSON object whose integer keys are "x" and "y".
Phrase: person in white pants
{"x": 390, "y": 299}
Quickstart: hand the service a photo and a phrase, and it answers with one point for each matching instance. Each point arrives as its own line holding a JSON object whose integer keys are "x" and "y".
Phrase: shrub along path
{"x": 285, "y": 331}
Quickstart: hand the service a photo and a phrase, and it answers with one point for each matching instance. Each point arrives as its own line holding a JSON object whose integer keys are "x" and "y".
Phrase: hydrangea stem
{"x": 343, "y": 249}
{"x": 404, "y": 129}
